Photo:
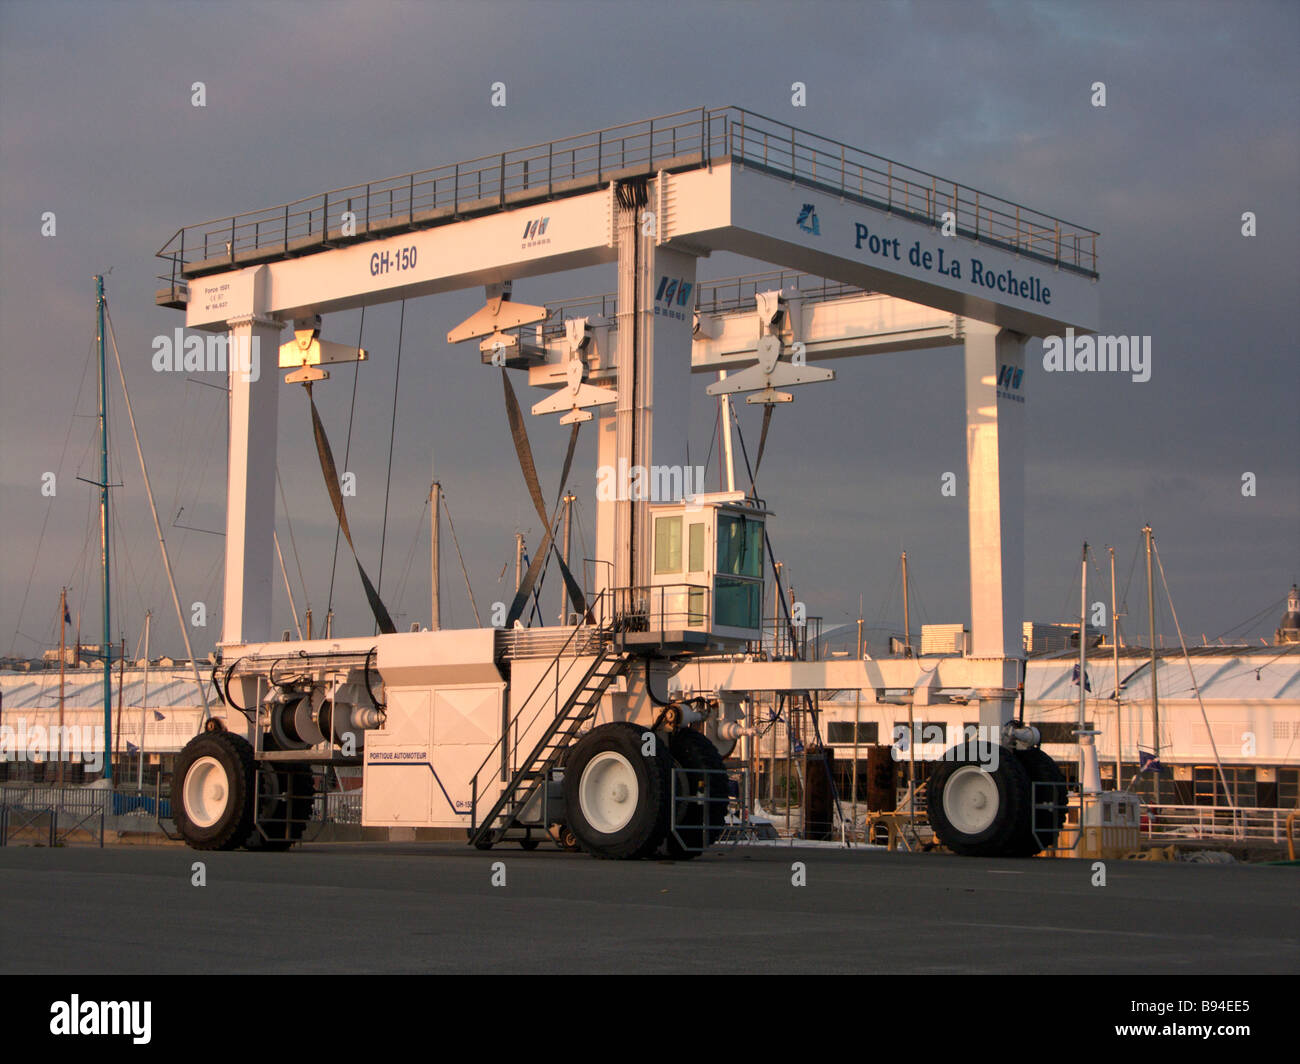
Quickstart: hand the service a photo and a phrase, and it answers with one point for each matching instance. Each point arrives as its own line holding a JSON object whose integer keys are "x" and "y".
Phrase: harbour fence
{"x": 1171, "y": 823}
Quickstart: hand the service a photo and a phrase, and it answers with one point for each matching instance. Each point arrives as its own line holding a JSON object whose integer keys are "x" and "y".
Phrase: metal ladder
{"x": 536, "y": 769}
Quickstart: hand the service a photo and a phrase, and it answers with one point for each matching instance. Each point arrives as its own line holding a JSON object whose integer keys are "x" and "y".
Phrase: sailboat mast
{"x": 435, "y": 570}
{"x": 1083, "y": 666}
{"x": 144, "y": 698}
{"x": 103, "y": 529}
{"x": 1155, "y": 699}
{"x": 1114, "y": 639}
{"x": 63, "y": 660}
{"x": 907, "y": 614}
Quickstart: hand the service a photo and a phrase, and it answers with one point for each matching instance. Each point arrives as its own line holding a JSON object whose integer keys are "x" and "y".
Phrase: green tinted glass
{"x": 696, "y": 547}
{"x": 668, "y": 545}
{"x": 740, "y": 546}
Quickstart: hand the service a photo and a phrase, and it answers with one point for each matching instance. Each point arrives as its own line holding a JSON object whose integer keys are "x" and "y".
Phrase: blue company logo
{"x": 535, "y": 233}
{"x": 671, "y": 294}
{"x": 807, "y": 220}
{"x": 1009, "y": 378}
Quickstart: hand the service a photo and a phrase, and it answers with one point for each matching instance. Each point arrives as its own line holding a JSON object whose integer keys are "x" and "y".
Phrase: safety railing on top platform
{"x": 660, "y": 608}
{"x": 712, "y": 297}
{"x": 425, "y": 197}
{"x": 850, "y": 172}
{"x": 737, "y": 293}
{"x": 682, "y": 140}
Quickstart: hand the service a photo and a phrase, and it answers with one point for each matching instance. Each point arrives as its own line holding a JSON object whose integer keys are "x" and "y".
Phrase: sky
{"x": 1201, "y": 124}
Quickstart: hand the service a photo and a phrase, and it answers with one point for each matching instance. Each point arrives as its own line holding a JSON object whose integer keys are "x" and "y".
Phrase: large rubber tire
{"x": 212, "y": 789}
{"x": 616, "y": 799}
{"x": 1051, "y": 799}
{"x": 977, "y": 810}
{"x": 698, "y": 823}
{"x": 291, "y": 790}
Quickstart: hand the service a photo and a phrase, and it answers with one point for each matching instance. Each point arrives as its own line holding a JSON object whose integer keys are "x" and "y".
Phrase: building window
{"x": 924, "y": 732}
{"x": 839, "y": 731}
{"x": 1056, "y": 731}
{"x": 1208, "y": 786}
{"x": 1288, "y": 788}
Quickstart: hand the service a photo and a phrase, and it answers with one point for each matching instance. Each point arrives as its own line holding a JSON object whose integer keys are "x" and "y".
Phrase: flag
{"x": 67, "y": 617}
{"x": 158, "y": 716}
{"x": 1148, "y": 762}
{"x": 131, "y": 748}
{"x": 1087, "y": 684}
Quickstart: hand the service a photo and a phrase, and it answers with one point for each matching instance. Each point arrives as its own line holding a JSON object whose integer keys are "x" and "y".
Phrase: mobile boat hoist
{"x": 594, "y": 732}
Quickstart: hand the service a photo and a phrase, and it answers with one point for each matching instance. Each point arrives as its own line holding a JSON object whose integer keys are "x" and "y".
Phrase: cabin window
{"x": 737, "y": 603}
{"x": 738, "y": 585}
{"x": 695, "y": 556}
{"x": 699, "y": 606}
{"x": 668, "y": 545}
{"x": 740, "y": 546}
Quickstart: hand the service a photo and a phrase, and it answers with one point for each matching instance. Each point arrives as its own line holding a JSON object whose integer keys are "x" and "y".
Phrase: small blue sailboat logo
{"x": 807, "y": 220}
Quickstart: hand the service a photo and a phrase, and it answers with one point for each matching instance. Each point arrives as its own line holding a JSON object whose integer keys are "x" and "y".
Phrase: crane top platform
{"x": 824, "y": 173}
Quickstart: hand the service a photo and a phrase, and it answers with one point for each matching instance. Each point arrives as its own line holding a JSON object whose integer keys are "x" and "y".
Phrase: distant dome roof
{"x": 1289, "y": 630}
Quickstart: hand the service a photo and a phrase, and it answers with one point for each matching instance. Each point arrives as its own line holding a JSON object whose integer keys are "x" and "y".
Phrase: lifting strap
{"x": 762, "y": 439}
{"x": 524, "y": 451}
{"x": 327, "y": 466}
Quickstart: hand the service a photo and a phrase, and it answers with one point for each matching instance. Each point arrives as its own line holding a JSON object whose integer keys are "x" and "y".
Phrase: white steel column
{"x": 656, "y": 293}
{"x": 995, "y": 394}
{"x": 625, "y": 384}
{"x": 666, "y": 315}
{"x": 606, "y": 458}
{"x": 250, "y": 490}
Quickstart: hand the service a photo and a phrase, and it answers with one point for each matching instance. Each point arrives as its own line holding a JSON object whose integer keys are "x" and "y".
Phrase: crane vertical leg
{"x": 995, "y": 362}
{"x": 656, "y": 297}
{"x": 250, "y": 509}
{"x": 625, "y": 418}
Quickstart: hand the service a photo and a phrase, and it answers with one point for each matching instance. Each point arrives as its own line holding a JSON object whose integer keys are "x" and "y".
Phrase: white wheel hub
{"x": 608, "y": 792}
{"x": 970, "y": 800}
{"x": 207, "y": 792}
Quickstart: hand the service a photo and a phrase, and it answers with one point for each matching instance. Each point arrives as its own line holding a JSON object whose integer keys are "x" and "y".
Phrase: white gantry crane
{"x": 596, "y": 733}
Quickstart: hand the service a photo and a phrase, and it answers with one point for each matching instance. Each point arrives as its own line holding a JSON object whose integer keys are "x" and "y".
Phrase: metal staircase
{"x": 535, "y": 769}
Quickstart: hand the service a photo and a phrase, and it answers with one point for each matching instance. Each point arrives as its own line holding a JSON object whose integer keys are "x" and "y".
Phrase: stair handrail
{"x": 515, "y": 784}
{"x": 554, "y": 663}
